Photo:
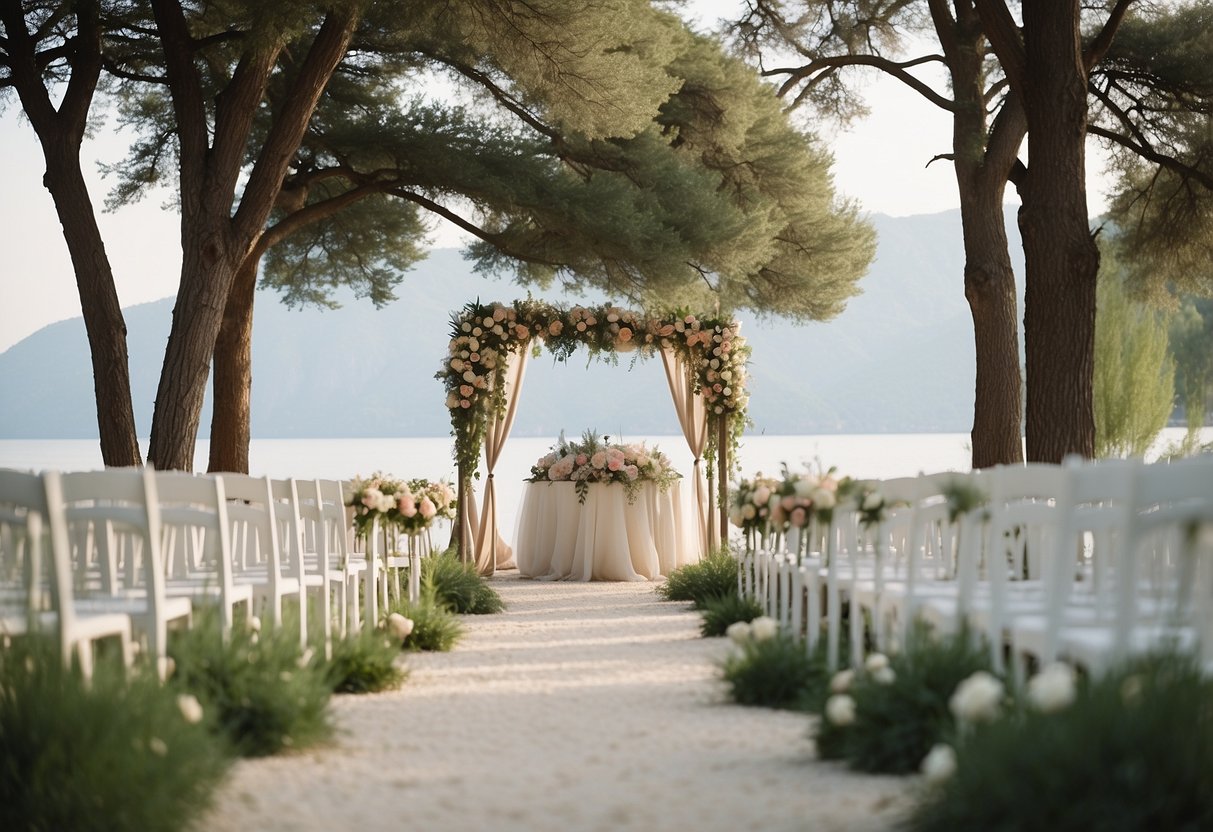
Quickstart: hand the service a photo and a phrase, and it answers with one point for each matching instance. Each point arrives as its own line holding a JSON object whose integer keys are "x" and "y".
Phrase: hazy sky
{"x": 880, "y": 162}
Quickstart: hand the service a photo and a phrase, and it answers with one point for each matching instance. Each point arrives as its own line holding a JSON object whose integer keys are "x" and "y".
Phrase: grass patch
{"x": 899, "y": 719}
{"x": 713, "y": 577}
{"x": 365, "y": 663}
{"x": 774, "y": 673}
{"x": 267, "y": 695}
{"x": 1134, "y": 751}
{"x": 458, "y": 587}
{"x": 116, "y": 754}
{"x": 719, "y": 613}
{"x": 434, "y": 627}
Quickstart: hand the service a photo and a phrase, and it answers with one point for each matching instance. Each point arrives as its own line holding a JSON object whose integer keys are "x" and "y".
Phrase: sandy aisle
{"x": 584, "y": 707}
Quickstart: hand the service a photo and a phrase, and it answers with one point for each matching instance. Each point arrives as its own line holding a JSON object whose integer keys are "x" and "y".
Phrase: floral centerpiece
{"x": 409, "y": 506}
{"x": 596, "y": 459}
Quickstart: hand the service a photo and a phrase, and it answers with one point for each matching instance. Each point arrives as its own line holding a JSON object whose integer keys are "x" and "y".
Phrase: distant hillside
{"x": 899, "y": 359}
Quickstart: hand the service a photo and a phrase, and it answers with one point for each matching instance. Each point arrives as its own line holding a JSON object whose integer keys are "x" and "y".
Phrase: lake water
{"x": 868, "y": 456}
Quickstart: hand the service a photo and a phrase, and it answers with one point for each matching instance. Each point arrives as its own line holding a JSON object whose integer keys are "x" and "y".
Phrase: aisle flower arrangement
{"x": 766, "y": 505}
{"x": 409, "y": 506}
{"x": 595, "y": 459}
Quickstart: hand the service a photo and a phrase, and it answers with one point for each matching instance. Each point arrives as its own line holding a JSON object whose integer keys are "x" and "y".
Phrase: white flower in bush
{"x": 763, "y": 628}
{"x": 1130, "y": 690}
{"x": 399, "y": 626}
{"x": 1052, "y": 688}
{"x": 191, "y": 709}
{"x": 939, "y": 765}
{"x": 841, "y": 682}
{"x": 254, "y": 624}
{"x": 840, "y": 710}
{"x": 885, "y": 676}
{"x": 876, "y": 662}
{"x": 872, "y": 501}
{"x": 739, "y": 631}
{"x": 978, "y": 698}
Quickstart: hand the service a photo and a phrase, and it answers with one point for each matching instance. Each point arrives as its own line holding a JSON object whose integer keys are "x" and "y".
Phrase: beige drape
{"x": 489, "y": 550}
{"x": 693, "y": 417}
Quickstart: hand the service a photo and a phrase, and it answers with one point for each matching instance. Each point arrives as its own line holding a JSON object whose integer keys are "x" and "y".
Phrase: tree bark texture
{"x": 60, "y": 132}
{"x": 103, "y": 319}
{"x": 1062, "y": 260}
{"x": 983, "y": 159}
{"x": 233, "y": 376}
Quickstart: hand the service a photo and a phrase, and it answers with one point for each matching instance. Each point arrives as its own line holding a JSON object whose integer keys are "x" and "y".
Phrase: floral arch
{"x": 704, "y": 360}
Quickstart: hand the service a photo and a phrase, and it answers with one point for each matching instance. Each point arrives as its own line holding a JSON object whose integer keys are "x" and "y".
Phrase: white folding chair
{"x": 35, "y": 573}
{"x": 116, "y": 515}
{"x": 257, "y": 550}
{"x": 197, "y": 543}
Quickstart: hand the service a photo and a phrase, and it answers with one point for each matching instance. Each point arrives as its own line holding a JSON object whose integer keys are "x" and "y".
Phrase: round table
{"x": 606, "y": 538}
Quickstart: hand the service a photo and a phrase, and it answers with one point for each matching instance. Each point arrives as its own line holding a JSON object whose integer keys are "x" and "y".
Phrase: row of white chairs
{"x": 1091, "y": 562}
{"x": 127, "y": 553}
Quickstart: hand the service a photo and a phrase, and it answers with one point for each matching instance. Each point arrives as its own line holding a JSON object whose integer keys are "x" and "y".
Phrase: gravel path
{"x": 583, "y": 707}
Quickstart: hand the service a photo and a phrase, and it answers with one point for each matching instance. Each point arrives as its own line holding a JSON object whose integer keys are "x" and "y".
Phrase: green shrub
{"x": 365, "y": 663}
{"x": 116, "y": 754}
{"x": 775, "y": 673}
{"x": 713, "y": 577}
{"x": 458, "y": 586}
{"x": 266, "y": 694}
{"x": 898, "y": 722}
{"x": 719, "y": 613}
{"x": 434, "y": 627}
{"x": 1133, "y": 752}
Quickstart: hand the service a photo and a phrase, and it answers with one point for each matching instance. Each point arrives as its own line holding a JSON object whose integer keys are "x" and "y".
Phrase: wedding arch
{"x": 705, "y": 364}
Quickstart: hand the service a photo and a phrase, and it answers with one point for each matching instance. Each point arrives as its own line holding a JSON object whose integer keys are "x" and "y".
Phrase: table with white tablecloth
{"x": 606, "y": 538}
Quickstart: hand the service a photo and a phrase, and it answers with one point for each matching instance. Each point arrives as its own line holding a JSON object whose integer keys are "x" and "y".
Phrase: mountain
{"x": 898, "y": 359}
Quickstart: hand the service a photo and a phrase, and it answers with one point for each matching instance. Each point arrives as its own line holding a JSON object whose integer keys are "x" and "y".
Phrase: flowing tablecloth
{"x": 606, "y": 538}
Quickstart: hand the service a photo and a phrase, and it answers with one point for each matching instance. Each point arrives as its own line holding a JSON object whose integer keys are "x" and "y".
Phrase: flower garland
{"x": 484, "y": 335}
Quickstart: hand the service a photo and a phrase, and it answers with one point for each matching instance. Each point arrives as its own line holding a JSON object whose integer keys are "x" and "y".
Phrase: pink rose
{"x": 666, "y": 331}
{"x": 582, "y": 459}
{"x": 632, "y": 472}
{"x": 625, "y": 334}
{"x": 466, "y": 390}
{"x": 427, "y": 508}
{"x": 788, "y": 503}
{"x": 599, "y": 459}
{"x": 555, "y": 327}
{"x": 407, "y": 505}
{"x": 464, "y": 403}
{"x": 615, "y": 463}
{"x": 798, "y": 516}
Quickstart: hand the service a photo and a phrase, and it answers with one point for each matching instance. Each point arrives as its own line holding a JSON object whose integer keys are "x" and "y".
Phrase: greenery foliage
{"x": 776, "y": 673}
{"x": 1134, "y": 379}
{"x": 898, "y": 722}
{"x": 365, "y": 663}
{"x": 267, "y": 695}
{"x": 434, "y": 627}
{"x": 114, "y": 754}
{"x": 720, "y": 612}
{"x": 713, "y": 577}
{"x": 458, "y": 587}
{"x": 1133, "y": 752}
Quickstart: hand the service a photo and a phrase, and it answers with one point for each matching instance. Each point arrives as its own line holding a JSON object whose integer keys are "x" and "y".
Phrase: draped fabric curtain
{"x": 489, "y": 550}
{"x": 693, "y": 417}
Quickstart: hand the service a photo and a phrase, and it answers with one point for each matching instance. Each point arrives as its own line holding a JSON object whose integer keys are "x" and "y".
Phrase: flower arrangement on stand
{"x": 595, "y": 459}
{"x": 767, "y": 506}
{"x": 406, "y": 507}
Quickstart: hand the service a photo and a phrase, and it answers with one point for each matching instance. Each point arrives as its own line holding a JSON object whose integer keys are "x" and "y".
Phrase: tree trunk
{"x": 1061, "y": 257}
{"x": 103, "y": 320}
{"x": 233, "y": 376}
{"x": 990, "y": 291}
{"x": 206, "y": 280}
{"x": 983, "y": 158}
{"x": 60, "y": 130}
